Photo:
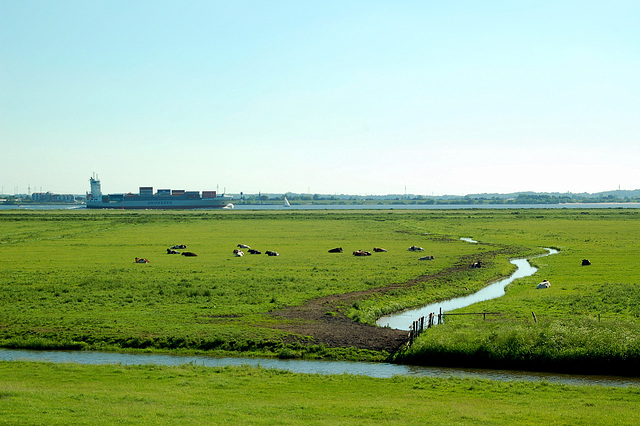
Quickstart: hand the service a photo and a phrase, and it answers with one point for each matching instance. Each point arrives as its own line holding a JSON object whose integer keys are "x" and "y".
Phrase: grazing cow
{"x": 170, "y": 251}
{"x": 379, "y": 250}
{"x": 431, "y": 257}
{"x": 585, "y": 262}
{"x": 415, "y": 248}
{"x": 272, "y": 253}
{"x": 543, "y": 284}
{"x": 141, "y": 260}
{"x": 253, "y": 251}
{"x": 188, "y": 253}
{"x": 238, "y": 253}
{"x": 336, "y": 250}
{"x": 476, "y": 265}
{"x": 244, "y": 246}
{"x": 179, "y": 247}
{"x": 361, "y": 253}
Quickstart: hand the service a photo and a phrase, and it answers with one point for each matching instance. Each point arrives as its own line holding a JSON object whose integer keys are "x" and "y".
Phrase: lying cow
{"x": 179, "y": 247}
{"x": 476, "y": 265}
{"x": 431, "y": 257}
{"x": 238, "y": 253}
{"x": 379, "y": 250}
{"x": 543, "y": 284}
{"x": 415, "y": 248}
{"x": 272, "y": 253}
{"x": 361, "y": 253}
{"x": 336, "y": 250}
{"x": 253, "y": 251}
{"x": 170, "y": 251}
{"x": 585, "y": 262}
{"x": 188, "y": 253}
{"x": 244, "y": 246}
{"x": 141, "y": 260}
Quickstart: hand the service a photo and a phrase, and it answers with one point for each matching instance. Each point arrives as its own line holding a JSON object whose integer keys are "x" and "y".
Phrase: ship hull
{"x": 214, "y": 203}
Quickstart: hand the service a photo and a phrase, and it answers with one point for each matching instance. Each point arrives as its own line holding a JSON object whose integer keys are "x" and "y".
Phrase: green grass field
{"x": 41, "y": 393}
{"x": 68, "y": 280}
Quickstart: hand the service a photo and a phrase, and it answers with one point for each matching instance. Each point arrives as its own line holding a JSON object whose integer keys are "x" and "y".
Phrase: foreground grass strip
{"x": 43, "y": 393}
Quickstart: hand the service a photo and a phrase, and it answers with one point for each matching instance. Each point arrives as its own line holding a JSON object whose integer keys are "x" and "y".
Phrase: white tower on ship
{"x": 96, "y": 192}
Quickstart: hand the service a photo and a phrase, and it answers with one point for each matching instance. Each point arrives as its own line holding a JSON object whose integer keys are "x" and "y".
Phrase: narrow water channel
{"x": 403, "y": 320}
{"x": 369, "y": 369}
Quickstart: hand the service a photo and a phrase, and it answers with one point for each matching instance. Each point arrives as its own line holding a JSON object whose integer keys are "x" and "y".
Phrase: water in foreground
{"x": 370, "y": 369}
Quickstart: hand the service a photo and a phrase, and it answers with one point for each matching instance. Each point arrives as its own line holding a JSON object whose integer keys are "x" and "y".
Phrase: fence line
{"x": 418, "y": 326}
{"x": 433, "y": 319}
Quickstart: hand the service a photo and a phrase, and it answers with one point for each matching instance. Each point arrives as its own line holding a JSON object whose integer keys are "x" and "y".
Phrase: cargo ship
{"x": 162, "y": 199}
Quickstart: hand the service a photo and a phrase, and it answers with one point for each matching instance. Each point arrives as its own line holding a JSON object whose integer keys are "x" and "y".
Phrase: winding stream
{"x": 379, "y": 370}
{"x": 403, "y": 320}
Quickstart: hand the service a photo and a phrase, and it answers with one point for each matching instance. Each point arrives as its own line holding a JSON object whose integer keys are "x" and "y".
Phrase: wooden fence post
{"x": 411, "y": 333}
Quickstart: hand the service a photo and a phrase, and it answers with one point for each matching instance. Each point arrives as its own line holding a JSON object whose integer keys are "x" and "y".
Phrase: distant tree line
{"x": 521, "y": 198}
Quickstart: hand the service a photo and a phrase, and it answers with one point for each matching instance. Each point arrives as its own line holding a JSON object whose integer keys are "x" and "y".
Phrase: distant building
{"x": 48, "y": 197}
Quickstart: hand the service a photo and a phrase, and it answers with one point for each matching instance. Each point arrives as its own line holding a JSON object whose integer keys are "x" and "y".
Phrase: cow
{"x": 431, "y": 257}
{"x": 179, "y": 247}
{"x": 336, "y": 250}
{"x": 585, "y": 262}
{"x": 543, "y": 284}
{"x": 170, "y": 251}
{"x": 244, "y": 246}
{"x": 415, "y": 248}
{"x": 476, "y": 265}
{"x": 141, "y": 260}
{"x": 272, "y": 253}
{"x": 253, "y": 251}
{"x": 361, "y": 253}
{"x": 188, "y": 253}
{"x": 238, "y": 253}
{"x": 379, "y": 250}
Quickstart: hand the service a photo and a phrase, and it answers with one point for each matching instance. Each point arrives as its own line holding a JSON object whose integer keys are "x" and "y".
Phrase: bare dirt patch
{"x": 322, "y": 321}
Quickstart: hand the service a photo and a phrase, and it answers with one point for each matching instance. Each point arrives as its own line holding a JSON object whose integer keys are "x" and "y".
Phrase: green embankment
{"x": 41, "y": 393}
{"x": 68, "y": 280}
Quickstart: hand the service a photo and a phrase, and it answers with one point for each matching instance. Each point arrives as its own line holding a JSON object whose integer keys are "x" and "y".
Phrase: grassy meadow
{"x": 68, "y": 280}
{"x": 42, "y": 393}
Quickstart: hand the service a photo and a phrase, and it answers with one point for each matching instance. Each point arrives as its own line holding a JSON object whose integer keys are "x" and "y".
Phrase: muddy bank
{"x": 323, "y": 322}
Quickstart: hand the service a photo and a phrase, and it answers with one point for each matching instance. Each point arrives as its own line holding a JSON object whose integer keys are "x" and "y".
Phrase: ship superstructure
{"x": 162, "y": 199}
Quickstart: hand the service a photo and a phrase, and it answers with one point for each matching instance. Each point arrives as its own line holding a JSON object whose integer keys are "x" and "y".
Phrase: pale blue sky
{"x": 358, "y": 97}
